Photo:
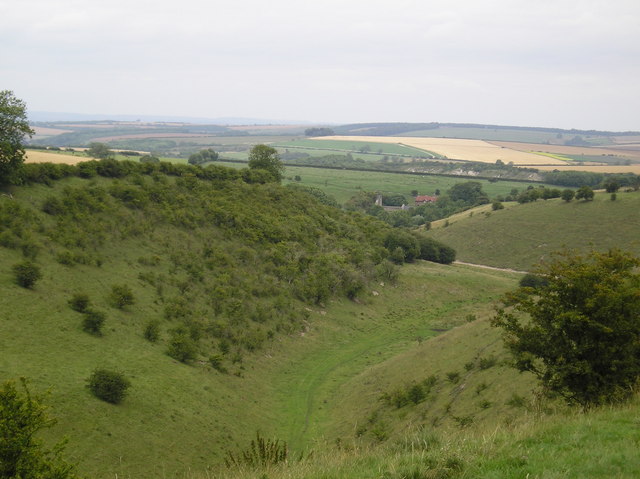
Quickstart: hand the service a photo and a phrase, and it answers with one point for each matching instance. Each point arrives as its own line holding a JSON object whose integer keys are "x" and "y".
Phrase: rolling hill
{"x": 521, "y": 235}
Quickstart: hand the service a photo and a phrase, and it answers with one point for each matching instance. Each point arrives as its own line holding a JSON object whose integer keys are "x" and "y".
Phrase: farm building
{"x": 421, "y": 200}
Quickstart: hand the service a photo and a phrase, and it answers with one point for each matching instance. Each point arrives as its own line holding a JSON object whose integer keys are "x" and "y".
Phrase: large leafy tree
{"x": 263, "y": 157}
{"x": 22, "y": 453}
{"x": 14, "y": 127}
{"x": 579, "y": 333}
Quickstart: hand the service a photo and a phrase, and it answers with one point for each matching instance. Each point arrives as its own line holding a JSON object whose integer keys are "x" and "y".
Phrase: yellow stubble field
{"x": 37, "y": 156}
{"x": 459, "y": 149}
{"x": 626, "y": 151}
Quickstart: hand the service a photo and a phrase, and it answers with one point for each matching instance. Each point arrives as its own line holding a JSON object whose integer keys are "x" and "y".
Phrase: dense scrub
{"x": 232, "y": 262}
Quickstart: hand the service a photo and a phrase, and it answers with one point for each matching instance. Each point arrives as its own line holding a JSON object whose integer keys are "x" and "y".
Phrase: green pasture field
{"x": 356, "y": 154}
{"x": 356, "y": 146}
{"x": 521, "y": 235}
{"x": 344, "y": 184}
{"x": 614, "y": 160}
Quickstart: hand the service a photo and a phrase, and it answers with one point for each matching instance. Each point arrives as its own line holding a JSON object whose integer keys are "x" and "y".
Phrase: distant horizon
{"x": 52, "y": 117}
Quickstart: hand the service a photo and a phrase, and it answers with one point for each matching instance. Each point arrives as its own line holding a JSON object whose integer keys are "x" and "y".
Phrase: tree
{"x": 99, "y": 151}
{"x": 263, "y": 157}
{"x": 611, "y": 185}
{"x": 584, "y": 192}
{"x": 22, "y": 454}
{"x": 567, "y": 195}
{"x": 470, "y": 192}
{"x": 14, "y": 127}
{"x": 579, "y": 333}
{"x": 203, "y": 156}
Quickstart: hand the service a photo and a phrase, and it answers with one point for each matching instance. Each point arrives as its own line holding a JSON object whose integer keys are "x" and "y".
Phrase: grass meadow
{"x": 521, "y": 235}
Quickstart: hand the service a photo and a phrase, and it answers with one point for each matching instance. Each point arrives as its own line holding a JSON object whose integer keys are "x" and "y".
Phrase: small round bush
{"x": 93, "y": 321}
{"x": 26, "y": 274}
{"x": 110, "y": 386}
{"x": 79, "y": 302}
{"x": 182, "y": 348}
{"x": 121, "y": 295}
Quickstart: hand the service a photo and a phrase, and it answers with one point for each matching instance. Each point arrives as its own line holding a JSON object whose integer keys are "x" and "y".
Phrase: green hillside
{"x": 279, "y": 314}
{"x": 224, "y": 268}
{"x": 521, "y": 235}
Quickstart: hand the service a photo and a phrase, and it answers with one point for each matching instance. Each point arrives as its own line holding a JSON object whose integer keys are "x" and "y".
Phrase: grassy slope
{"x": 288, "y": 388}
{"x": 521, "y": 235}
{"x": 325, "y": 383}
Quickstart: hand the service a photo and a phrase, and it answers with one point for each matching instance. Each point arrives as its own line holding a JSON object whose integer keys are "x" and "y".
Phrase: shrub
{"x": 488, "y": 362}
{"x": 497, "y": 205}
{"x": 453, "y": 376}
{"x": 121, "y": 296}
{"x": 216, "y": 363}
{"x": 182, "y": 348}
{"x": 152, "y": 331}
{"x": 26, "y": 274}
{"x": 65, "y": 258}
{"x": 79, "y": 302}
{"x": 30, "y": 249}
{"x": 261, "y": 452}
{"x": 416, "y": 393}
{"x": 481, "y": 387}
{"x": 516, "y": 401}
{"x": 110, "y": 386}
{"x": 93, "y": 321}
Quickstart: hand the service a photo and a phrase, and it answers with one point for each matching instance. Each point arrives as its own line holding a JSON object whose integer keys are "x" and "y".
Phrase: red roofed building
{"x": 421, "y": 200}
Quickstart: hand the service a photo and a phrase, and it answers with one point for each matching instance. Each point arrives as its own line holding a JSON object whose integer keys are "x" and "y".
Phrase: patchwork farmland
{"x": 457, "y": 149}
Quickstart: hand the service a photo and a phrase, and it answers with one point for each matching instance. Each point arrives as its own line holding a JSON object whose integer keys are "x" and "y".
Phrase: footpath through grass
{"x": 315, "y": 385}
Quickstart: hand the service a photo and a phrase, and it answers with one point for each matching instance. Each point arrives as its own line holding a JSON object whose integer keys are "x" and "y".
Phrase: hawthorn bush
{"x": 26, "y": 274}
{"x": 110, "y": 386}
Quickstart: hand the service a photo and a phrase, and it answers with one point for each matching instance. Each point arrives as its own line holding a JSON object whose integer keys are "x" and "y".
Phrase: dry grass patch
{"x": 618, "y": 150}
{"x": 37, "y": 156}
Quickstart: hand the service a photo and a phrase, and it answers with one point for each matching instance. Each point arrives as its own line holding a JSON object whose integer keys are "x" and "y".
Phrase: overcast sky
{"x": 555, "y": 63}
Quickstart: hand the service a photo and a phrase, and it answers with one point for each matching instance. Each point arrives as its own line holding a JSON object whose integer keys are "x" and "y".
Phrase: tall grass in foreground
{"x": 599, "y": 444}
